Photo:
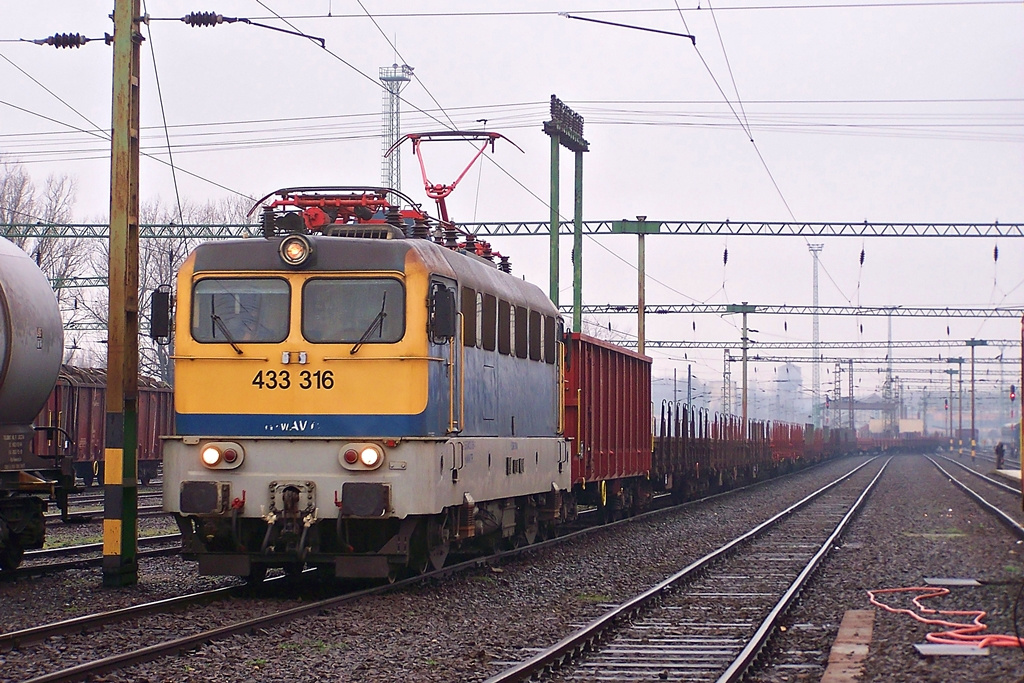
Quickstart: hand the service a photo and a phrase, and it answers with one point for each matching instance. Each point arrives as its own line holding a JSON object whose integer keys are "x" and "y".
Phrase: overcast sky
{"x": 861, "y": 111}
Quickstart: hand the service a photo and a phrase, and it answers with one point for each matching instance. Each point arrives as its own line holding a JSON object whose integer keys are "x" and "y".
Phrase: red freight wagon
{"x": 78, "y": 405}
{"x": 607, "y": 410}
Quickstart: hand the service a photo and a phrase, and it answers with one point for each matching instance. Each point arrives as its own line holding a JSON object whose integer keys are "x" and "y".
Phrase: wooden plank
{"x": 850, "y": 649}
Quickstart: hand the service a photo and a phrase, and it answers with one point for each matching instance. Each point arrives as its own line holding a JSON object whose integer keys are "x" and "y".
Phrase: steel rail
{"x": 995, "y": 482}
{"x": 738, "y": 668}
{"x": 584, "y": 638}
{"x": 34, "y": 634}
{"x": 89, "y": 547}
{"x": 1016, "y": 528}
{"x": 87, "y": 516}
{"x": 47, "y": 568}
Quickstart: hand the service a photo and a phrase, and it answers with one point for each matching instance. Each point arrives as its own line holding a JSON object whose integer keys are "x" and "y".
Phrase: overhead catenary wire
{"x": 644, "y": 10}
{"x": 163, "y": 116}
{"x": 97, "y": 130}
{"x": 733, "y": 109}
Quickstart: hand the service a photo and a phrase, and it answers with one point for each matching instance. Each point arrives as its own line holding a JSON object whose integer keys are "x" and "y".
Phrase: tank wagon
{"x": 31, "y": 347}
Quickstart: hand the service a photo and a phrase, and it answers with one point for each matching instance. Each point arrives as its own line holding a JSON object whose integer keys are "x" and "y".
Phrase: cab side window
{"x": 469, "y": 325}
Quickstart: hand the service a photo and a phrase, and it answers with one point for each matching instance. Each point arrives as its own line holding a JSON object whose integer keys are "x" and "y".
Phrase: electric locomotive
{"x": 358, "y": 391}
{"x": 31, "y": 347}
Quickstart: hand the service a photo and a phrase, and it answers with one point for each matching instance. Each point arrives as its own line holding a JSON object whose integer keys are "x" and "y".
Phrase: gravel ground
{"x": 916, "y": 526}
{"x": 60, "y": 535}
{"x": 466, "y": 628}
{"x": 46, "y": 599}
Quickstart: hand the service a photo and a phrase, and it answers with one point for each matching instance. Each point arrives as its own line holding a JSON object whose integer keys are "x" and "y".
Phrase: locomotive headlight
{"x": 295, "y": 249}
{"x": 369, "y": 456}
{"x": 361, "y": 456}
{"x": 211, "y": 456}
{"x": 222, "y": 455}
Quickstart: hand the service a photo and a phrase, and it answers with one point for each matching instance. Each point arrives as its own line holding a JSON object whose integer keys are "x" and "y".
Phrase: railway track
{"x": 54, "y": 560}
{"x": 1006, "y": 499}
{"x": 95, "y": 515}
{"x": 711, "y": 619}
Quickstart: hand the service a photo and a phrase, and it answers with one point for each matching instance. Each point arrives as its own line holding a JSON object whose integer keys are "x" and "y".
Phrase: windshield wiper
{"x": 224, "y": 328}
{"x": 378, "y": 320}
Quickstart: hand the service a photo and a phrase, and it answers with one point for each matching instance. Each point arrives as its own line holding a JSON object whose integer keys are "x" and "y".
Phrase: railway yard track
{"x": 709, "y": 620}
{"x": 998, "y": 497}
{"x": 474, "y": 621}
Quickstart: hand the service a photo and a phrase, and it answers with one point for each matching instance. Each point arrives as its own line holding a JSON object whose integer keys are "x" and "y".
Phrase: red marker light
{"x": 351, "y": 456}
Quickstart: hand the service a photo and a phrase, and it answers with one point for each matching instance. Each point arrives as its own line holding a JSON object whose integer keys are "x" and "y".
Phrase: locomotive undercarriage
{"x": 359, "y": 548}
{"x": 22, "y": 527}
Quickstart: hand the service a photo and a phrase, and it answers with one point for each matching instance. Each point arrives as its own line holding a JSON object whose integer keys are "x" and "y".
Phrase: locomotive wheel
{"x": 10, "y": 556}
{"x": 11, "y": 551}
{"x": 528, "y": 526}
{"x": 438, "y": 536}
{"x": 257, "y": 573}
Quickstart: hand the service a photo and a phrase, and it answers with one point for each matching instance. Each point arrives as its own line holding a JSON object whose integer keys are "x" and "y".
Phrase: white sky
{"x": 884, "y": 113}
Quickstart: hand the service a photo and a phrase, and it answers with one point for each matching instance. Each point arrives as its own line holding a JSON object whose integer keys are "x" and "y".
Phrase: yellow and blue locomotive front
{"x": 319, "y": 400}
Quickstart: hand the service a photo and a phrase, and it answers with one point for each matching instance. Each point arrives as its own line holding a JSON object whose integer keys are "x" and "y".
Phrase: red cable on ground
{"x": 959, "y": 633}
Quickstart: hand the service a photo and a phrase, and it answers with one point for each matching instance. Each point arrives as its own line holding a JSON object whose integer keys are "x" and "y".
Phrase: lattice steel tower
{"x": 815, "y": 344}
{"x": 394, "y": 78}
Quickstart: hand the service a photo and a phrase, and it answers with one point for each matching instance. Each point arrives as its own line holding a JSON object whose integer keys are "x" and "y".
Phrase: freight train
{"x": 31, "y": 348}
{"x": 77, "y": 406}
{"x": 364, "y": 390}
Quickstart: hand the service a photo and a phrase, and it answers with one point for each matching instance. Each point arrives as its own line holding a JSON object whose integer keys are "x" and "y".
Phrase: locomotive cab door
{"x": 445, "y": 336}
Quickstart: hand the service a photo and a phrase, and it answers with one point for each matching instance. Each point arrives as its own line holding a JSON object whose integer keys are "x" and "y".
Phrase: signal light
{"x": 295, "y": 250}
{"x": 1013, "y": 393}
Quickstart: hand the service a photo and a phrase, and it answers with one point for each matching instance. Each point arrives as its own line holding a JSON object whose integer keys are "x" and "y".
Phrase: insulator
{"x": 451, "y": 238}
{"x": 995, "y": 253}
{"x": 725, "y": 257}
{"x": 394, "y": 217}
{"x": 471, "y": 244}
{"x": 60, "y": 40}
{"x": 268, "y": 222}
{"x": 198, "y": 19}
{"x": 421, "y": 229}
{"x": 862, "y": 257}
{"x": 506, "y": 267}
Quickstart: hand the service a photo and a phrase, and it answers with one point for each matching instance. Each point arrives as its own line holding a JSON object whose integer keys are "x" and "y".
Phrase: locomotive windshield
{"x": 229, "y": 310}
{"x": 353, "y": 311}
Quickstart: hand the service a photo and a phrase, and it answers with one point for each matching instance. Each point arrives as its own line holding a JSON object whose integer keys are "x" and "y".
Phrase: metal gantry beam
{"x": 866, "y": 311}
{"x": 1011, "y": 362}
{"x": 538, "y": 228}
{"x": 912, "y": 344}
